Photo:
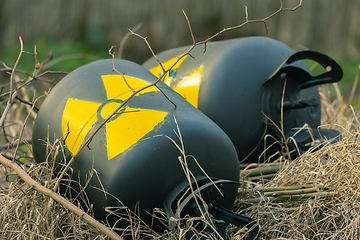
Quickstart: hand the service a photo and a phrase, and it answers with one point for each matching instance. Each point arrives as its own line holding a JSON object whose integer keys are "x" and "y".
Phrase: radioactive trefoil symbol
{"x": 123, "y": 130}
{"x": 187, "y": 86}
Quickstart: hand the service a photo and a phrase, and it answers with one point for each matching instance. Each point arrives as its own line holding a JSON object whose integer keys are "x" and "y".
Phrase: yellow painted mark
{"x": 122, "y": 130}
{"x": 158, "y": 71}
{"x": 189, "y": 86}
{"x": 78, "y": 118}
{"x": 129, "y": 128}
{"x": 108, "y": 109}
{"x": 116, "y": 87}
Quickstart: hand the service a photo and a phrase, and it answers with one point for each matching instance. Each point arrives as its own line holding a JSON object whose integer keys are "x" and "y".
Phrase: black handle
{"x": 181, "y": 201}
{"x": 219, "y": 212}
{"x": 333, "y": 72}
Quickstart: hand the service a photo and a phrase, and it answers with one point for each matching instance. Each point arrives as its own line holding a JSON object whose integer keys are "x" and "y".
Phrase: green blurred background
{"x": 81, "y": 31}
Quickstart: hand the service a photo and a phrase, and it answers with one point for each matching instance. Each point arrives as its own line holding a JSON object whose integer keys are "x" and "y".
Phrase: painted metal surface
{"x": 137, "y": 152}
{"x": 237, "y": 83}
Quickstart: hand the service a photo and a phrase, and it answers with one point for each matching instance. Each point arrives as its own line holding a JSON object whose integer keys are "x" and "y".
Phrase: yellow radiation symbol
{"x": 174, "y": 63}
{"x": 188, "y": 86}
{"x": 123, "y": 129}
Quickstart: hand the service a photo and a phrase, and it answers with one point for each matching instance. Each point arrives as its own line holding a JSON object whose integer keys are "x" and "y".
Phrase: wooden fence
{"x": 324, "y": 25}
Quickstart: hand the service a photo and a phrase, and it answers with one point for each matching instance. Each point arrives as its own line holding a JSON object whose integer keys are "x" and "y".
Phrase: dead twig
{"x": 188, "y": 52}
{"x": 51, "y": 194}
{"x": 15, "y": 143}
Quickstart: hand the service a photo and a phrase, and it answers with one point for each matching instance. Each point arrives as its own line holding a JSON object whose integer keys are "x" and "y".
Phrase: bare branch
{"x": 125, "y": 38}
{"x": 246, "y": 14}
{"x": 188, "y": 52}
{"x": 23, "y": 127}
{"x": 115, "y": 70}
{"x": 148, "y": 45}
{"x": 12, "y": 93}
{"x": 189, "y": 25}
{"x": 48, "y": 192}
{"x": 7, "y": 108}
{"x": 15, "y": 143}
{"x": 12, "y": 72}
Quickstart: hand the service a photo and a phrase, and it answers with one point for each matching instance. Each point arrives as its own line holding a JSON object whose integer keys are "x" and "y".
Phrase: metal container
{"x": 147, "y": 155}
{"x": 258, "y": 90}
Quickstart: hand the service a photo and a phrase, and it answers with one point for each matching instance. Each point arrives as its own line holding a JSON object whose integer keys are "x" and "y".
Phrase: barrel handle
{"x": 333, "y": 72}
{"x": 219, "y": 216}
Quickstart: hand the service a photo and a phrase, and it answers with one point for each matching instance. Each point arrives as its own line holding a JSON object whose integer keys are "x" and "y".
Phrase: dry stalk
{"x": 37, "y": 75}
{"x": 191, "y": 179}
{"x": 315, "y": 196}
{"x": 204, "y": 42}
{"x": 48, "y": 192}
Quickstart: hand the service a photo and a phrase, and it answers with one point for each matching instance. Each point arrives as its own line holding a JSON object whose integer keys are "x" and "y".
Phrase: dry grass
{"x": 327, "y": 209}
{"x": 331, "y": 211}
{"x": 29, "y": 214}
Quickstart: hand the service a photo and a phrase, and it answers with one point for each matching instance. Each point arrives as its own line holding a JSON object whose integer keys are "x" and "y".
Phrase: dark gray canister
{"x": 239, "y": 84}
{"x": 137, "y": 162}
